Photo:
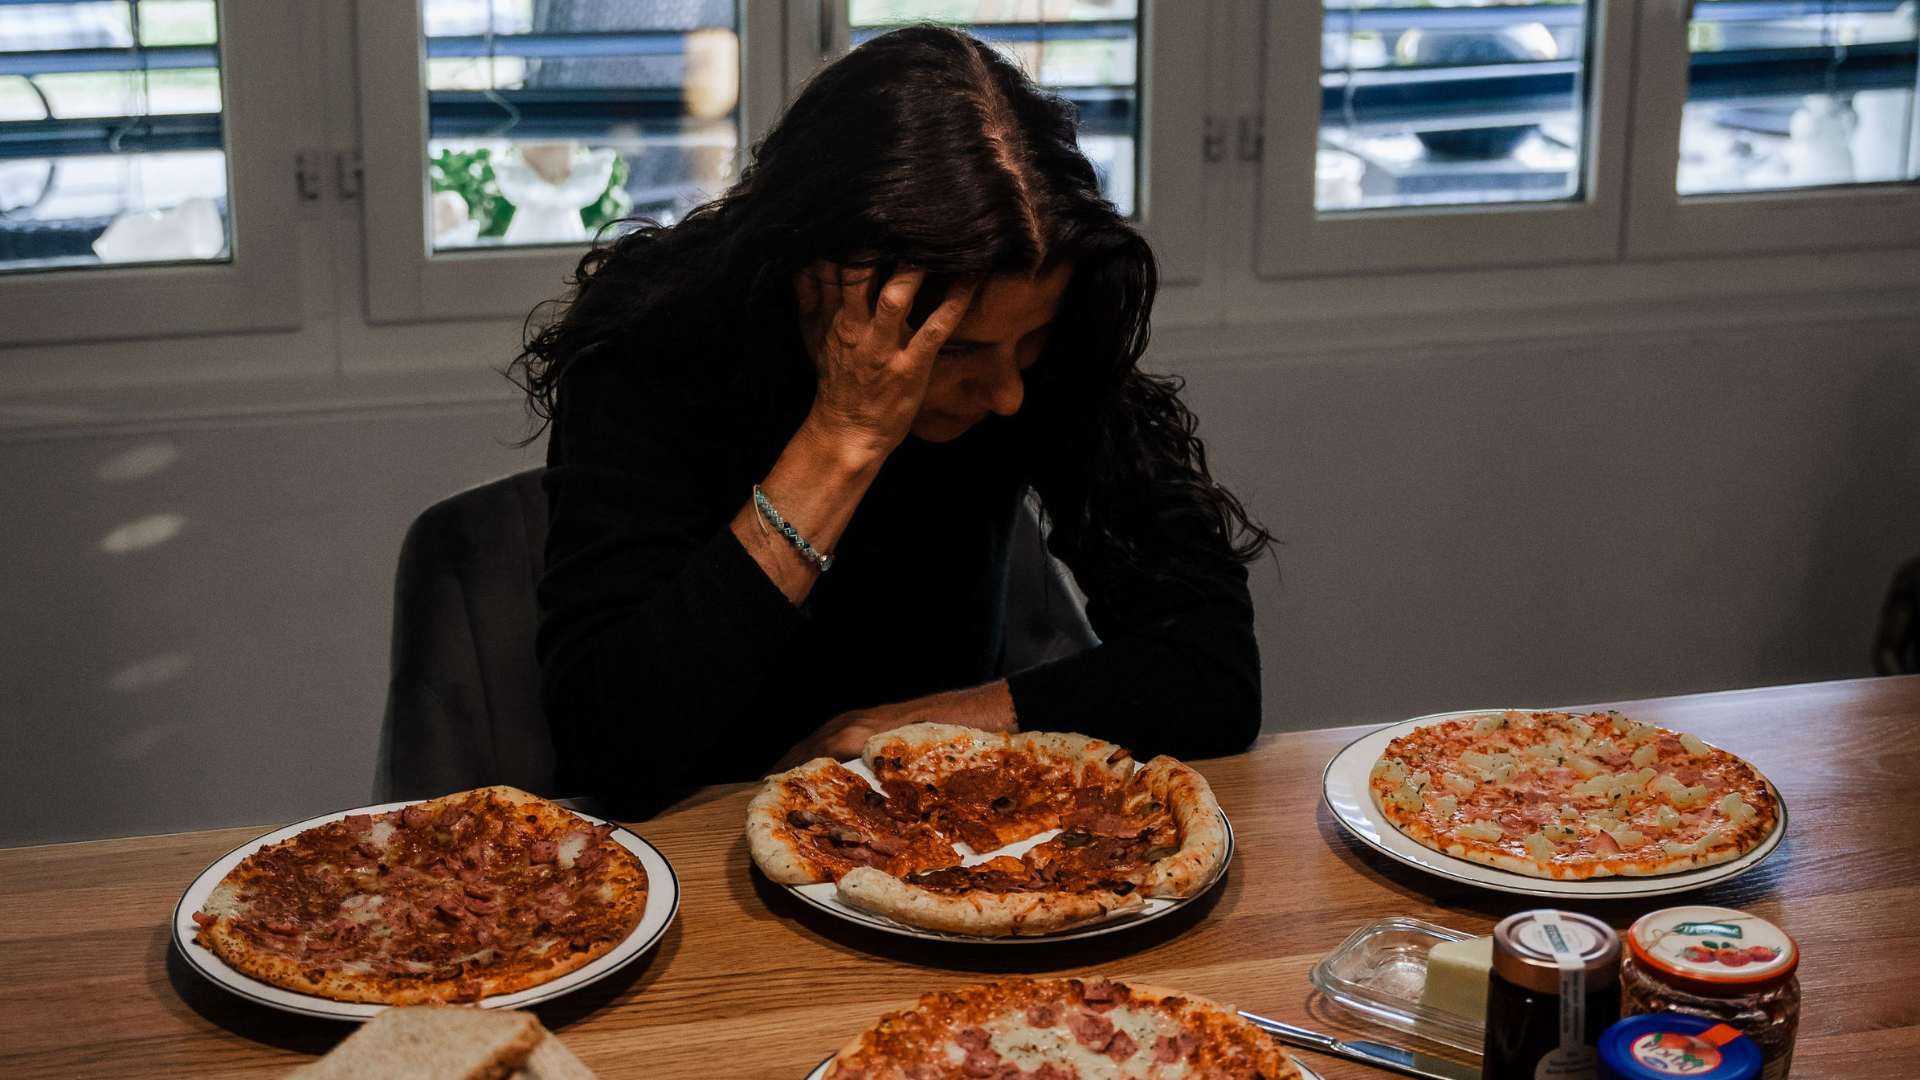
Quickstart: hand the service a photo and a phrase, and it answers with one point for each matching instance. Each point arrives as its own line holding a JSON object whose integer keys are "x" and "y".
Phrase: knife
{"x": 1399, "y": 1059}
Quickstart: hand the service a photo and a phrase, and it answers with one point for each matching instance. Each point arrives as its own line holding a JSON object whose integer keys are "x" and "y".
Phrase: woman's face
{"x": 978, "y": 370}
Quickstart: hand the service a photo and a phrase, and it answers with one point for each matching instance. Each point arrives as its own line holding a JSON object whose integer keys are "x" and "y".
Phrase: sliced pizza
{"x": 1110, "y": 832}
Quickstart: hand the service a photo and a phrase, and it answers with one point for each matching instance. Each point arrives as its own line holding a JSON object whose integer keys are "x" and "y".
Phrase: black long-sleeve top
{"x": 670, "y": 659}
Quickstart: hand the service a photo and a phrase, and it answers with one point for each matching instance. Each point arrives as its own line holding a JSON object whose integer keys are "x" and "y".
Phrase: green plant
{"x": 469, "y": 174}
{"x": 613, "y": 204}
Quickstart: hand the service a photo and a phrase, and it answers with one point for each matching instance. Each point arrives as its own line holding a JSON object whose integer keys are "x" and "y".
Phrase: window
{"x": 538, "y": 123}
{"x": 1774, "y": 125}
{"x": 1087, "y": 51}
{"x": 1463, "y": 101}
{"x": 147, "y": 170}
{"x": 112, "y": 148}
{"x": 1799, "y": 93}
{"x": 547, "y": 121}
{"x": 1425, "y": 134}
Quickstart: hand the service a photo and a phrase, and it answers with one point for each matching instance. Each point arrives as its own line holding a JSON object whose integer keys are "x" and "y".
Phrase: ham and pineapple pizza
{"x": 1062, "y": 1029}
{"x": 483, "y": 892}
{"x": 1120, "y": 831}
{"x": 1555, "y": 795}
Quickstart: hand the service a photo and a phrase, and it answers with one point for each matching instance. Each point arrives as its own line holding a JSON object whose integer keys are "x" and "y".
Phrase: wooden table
{"x": 749, "y": 983}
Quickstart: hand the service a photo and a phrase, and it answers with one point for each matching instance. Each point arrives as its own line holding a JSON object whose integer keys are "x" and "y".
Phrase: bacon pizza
{"x": 1107, "y": 831}
{"x": 1063, "y": 1029}
{"x": 1555, "y": 795}
{"x": 479, "y": 893}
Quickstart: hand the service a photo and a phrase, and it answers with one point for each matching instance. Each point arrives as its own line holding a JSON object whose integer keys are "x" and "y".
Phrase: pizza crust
{"x": 1203, "y": 833}
{"x": 770, "y": 840}
{"x": 977, "y": 913}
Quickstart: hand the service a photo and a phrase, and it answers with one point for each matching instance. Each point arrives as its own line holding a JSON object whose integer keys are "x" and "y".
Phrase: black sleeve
{"x": 657, "y": 627}
{"x": 1177, "y": 670}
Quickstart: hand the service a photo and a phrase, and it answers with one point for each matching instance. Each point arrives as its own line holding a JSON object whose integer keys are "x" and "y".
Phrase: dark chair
{"x": 463, "y": 698}
{"x": 1896, "y": 644}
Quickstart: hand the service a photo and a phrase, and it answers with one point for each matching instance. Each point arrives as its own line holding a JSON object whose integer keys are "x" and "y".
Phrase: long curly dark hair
{"x": 925, "y": 148}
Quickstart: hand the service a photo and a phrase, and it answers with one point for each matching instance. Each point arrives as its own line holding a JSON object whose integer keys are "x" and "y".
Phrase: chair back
{"x": 463, "y": 696}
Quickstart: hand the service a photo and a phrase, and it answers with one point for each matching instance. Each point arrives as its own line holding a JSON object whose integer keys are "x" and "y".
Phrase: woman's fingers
{"x": 890, "y": 310}
{"x": 850, "y": 295}
{"x": 945, "y": 319}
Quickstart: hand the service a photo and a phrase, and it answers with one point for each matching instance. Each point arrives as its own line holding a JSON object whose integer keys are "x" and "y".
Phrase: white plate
{"x": 825, "y": 896}
{"x": 1345, "y": 787}
{"x": 820, "y": 1071}
{"x": 663, "y": 900}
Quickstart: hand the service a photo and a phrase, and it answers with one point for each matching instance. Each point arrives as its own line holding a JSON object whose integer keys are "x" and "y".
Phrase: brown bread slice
{"x": 431, "y": 1042}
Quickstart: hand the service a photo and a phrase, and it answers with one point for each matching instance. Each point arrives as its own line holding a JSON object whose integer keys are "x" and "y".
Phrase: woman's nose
{"x": 1005, "y": 389}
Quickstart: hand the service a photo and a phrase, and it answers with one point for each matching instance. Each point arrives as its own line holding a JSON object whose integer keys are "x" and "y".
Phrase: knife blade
{"x": 1383, "y": 1055}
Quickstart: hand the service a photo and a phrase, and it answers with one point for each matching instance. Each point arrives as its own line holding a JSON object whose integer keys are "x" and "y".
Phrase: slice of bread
{"x": 432, "y": 1042}
{"x": 551, "y": 1060}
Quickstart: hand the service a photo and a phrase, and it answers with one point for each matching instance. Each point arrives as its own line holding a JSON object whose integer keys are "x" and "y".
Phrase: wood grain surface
{"x": 750, "y": 983}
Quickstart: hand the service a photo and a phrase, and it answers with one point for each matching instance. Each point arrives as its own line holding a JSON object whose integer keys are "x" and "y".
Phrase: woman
{"x": 912, "y": 309}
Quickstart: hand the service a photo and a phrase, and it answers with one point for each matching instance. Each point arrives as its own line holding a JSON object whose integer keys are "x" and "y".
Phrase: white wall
{"x": 1531, "y": 522}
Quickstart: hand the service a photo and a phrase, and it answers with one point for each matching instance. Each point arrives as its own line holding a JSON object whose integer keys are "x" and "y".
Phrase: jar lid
{"x": 1715, "y": 951}
{"x": 1524, "y": 955}
{"x": 1657, "y": 1046}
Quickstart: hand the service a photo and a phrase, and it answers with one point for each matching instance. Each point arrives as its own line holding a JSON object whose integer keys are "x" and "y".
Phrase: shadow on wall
{"x": 1849, "y": 566}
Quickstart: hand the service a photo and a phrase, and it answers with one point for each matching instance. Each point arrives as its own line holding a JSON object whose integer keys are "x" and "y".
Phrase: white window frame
{"x": 1170, "y": 150}
{"x": 1662, "y": 222}
{"x": 258, "y": 289}
{"x": 1296, "y": 240}
{"x": 405, "y": 281}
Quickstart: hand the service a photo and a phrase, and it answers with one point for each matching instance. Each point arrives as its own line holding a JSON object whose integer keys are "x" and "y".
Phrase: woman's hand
{"x": 988, "y": 707}
{"x": 872, "y": 368}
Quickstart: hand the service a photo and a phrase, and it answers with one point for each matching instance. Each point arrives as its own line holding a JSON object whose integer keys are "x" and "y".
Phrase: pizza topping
{"x": 1044, "y": 1015}
{"x": 205, "y": 919}
{"x": 1090, "y": 1030}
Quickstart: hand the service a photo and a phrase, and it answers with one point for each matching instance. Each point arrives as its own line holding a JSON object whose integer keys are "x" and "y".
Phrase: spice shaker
{"x": 1721, "y": 965}
{"x": 1554, "y": 989}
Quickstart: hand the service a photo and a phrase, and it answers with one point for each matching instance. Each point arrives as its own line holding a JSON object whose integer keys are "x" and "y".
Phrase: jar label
{"x": 1674, "y": 1053}
{"x": 1712, "y": 943}
{"x": 1568, "y": 1063}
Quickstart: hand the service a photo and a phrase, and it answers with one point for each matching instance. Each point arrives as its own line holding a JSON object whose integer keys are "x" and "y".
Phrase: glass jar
{"x": 1538, "y": 956}
{"x": 1721, "y": 965}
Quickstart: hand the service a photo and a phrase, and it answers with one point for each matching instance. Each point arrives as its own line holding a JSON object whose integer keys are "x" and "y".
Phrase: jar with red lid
{"x": 1718, "y": 964}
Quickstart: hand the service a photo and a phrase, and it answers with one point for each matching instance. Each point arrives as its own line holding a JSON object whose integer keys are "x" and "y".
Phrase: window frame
{"x": 258, "y": 287}
{"x": 1663, "y": 223}
{"x": 1295, "y": 240}
{"x": 405, "y": 282}
{"x": 1170, "y": 189}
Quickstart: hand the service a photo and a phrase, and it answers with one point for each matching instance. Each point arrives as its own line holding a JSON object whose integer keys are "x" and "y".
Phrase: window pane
{"x": 1087, "y": 51}
{"x": 1437, "y": 102}
{"x": 550, "y": 119}
{"x": 112, "y": 148}
{"x": 1798, "y": 93}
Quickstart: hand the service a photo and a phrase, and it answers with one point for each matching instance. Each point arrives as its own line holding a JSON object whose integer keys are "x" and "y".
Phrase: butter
{"x": 1457, "y": 977}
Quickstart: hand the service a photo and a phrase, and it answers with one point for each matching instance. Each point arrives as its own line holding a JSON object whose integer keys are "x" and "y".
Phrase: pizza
{"x": 1062, "y": 1029}
{"x": 479, "y": 893}
{"x": 1555, "y": 795}
{"x": 1101, "y": 832}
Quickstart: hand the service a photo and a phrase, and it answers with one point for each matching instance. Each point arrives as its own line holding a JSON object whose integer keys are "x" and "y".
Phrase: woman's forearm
{"x": 816, "y": 484}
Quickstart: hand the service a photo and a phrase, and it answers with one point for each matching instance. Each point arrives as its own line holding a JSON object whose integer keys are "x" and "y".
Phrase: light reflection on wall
{"x": 138, "y": 535}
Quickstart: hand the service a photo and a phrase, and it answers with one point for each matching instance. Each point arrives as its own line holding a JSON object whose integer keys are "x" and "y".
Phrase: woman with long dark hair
{"x": 790, "y": 437}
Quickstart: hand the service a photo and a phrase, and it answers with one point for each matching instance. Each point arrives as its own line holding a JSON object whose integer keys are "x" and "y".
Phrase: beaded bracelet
{"x": 823, "y": 563}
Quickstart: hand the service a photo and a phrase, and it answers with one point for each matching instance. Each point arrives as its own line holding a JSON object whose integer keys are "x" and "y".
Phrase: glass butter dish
{"x": 1378, "y": 973}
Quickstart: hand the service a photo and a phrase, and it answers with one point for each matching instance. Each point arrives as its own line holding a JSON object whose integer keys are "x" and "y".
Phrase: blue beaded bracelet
{"x": 823, "y": 563}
